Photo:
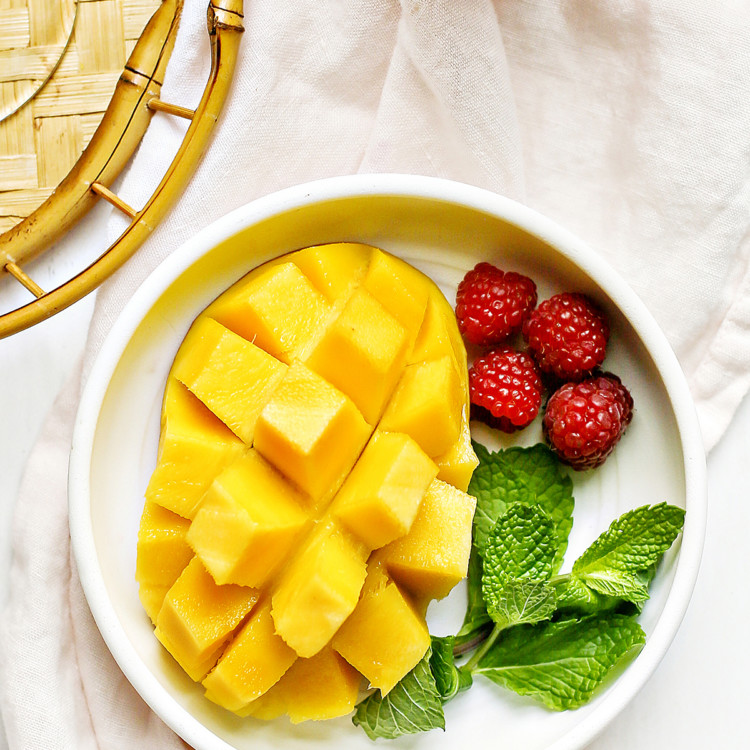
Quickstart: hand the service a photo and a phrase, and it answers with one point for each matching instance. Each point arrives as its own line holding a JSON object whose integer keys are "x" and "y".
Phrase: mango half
{"x": 309, "y": 496}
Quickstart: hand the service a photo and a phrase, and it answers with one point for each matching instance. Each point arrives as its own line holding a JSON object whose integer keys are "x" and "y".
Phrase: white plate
{"x": 444, "y": 228}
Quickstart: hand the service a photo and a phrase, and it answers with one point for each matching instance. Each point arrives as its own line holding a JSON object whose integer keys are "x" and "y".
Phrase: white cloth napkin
{"x": 626, "y": 121}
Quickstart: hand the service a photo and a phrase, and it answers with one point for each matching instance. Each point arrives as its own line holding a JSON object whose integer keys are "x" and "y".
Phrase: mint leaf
{"x": 413, "y": 705}
{"x": 449, "y": 681}
{"x": 523, "y": 601}
{"x": 621, "y": 561}
{"x": 518, "y": 559}
{"x": 476, "y": 618}
{"x": 527, "y": 475}
{"x": 573, "y": 594}
{"x": 561, "y": 663}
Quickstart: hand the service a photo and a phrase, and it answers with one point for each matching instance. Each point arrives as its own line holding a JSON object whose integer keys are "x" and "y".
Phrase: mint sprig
{"x": 553, "y": 637}
{"x": 561, "y": 663}
{"x": 621, "y": 562}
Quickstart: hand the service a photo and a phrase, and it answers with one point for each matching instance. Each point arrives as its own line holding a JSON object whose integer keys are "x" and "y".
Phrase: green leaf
{"x": 449, "y": 681}
{"x": 523, "y": 601}
{"x": 413, "y": 705}
{"x": 621, "y": 561}
{"x": 518, "y": 559}
{"x": 573, "y": 594}
{"x": 476, "y": 617}
{"x": 526, "y": 475}
{"x": 561, "y": 663}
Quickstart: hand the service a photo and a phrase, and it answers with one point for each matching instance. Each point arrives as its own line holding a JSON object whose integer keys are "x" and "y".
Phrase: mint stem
{"x": 480, "y": 652}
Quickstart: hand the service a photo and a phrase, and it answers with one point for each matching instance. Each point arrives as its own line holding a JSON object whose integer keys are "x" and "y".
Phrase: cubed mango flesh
{"x": 381, "y": 496}
{"x": 427, "y": 405}
{"x": 278, "y": 310}
{"x": 362, "y": 353}
{"x": 162, "y": 554}
{"x": 434, "y": 556}
{"x": 194, "y": 445}
{"x": 385, "y": 636}
{"x": 251, "y": 664}
{"x": 456, "y": 466}
{"x": 400, "y": 288}
{"x": 334, "y": 269}
{"x": 198, "y": 617}
{"x": 311, "y": 431}
{"x": 233, "y": 377}
{"x": 307, "y": 415}
{"x": 322, "y": 687}
{"x": 319, "y": 589}
{"x": 247, "y": 522}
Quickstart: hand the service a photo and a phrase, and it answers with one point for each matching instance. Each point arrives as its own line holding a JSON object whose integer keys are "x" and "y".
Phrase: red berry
{"x": 506, "y": 389}
{"x": 491, "y": 305}
{"x": 584, "y": 421}
{"x": 567, "y": 334}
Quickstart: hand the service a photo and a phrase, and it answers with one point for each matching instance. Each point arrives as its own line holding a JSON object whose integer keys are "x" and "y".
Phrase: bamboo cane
{"x": 136, "y": 97}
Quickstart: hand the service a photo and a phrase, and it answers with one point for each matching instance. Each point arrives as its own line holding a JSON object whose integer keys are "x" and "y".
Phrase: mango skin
{"x": 345, "y": 602}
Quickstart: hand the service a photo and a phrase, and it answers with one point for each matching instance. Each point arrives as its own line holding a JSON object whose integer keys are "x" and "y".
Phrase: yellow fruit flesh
{"x": 194, "y": 446}
{"x": 255, "y": 660}
{"x": 247, "y": 522}
{"x": 381, "y": 496}
{"x": 278, "y": 310}
{"x": 304, "y": 391}
{"x": 311, "y": 431}
{"x": 198, "y": 617}
{"x": 322, "y": 687}
{"x": 362, "y": 353}
{"x": 162, "y": 554}
{"x": 319, "y": 589}
{"x": 434, "y": 556}
{"x": 334, "y": 269}
{"x": 427, "y": 405}
{"x": 385, "y": 636}
{"x": 233, "y": 377}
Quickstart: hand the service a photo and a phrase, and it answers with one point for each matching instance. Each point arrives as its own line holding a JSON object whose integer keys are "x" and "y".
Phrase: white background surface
{"x": 698, "y": 697}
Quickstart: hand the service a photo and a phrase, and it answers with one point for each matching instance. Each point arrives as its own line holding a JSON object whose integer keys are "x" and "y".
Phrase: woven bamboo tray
{"x": 59, "y": 64}
{"x": 63, "y": 147}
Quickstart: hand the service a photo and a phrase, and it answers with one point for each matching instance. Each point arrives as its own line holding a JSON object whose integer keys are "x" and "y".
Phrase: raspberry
{"x": 584, "y": 421}
{"x": 506, "y": 389}
{"x": 491, "y": 305}
{"x": 567, "y": 334}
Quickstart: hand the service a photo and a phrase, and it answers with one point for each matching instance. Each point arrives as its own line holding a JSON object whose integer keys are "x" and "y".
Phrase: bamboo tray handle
{"x": 135, "y": 99}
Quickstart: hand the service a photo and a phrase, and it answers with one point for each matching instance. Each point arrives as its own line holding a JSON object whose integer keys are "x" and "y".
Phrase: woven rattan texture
{"x": 41, "y": 141}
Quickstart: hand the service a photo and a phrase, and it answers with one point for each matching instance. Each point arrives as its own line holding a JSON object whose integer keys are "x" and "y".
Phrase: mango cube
{"x": 334, "y": 269}
{"x": 362, "y": 353}
{"x": 379, "y": 499}
{"x": 253, "y": 662}
{"x": 198, "y": 617}
{"x": 231, "y": 376}
{"x": 247, "y": 522}
{"x": 434, "y": 556}
{"x": 457, "y": 464}
{"x": 319, "y": 589}
{"x": 400, "y": 288}
{"x": 193, "y": 448}
{"x": 278, "y": 309}
{"x": 385, "y": 636}
{"x": 433, "y": 340}
{"x": 311, "y": 431}
{"x": 322, "y": 687}
{"x": 162, "y": 554}
{"x": 427, "y": 405}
